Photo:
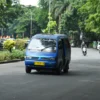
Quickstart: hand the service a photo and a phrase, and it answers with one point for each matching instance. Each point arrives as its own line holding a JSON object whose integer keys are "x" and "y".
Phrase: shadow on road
{"x": 72, "y": 73}
{"x": 79, "y": 73}
{"x": 44, "y": 73}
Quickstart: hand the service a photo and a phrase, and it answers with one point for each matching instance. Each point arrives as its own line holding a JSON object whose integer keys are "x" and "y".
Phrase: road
{"x": 82, "y": 82}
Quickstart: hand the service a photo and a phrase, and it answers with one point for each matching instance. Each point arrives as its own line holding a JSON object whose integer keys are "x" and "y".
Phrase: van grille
{"x": 35, "y": 58}
{"x": 41, "y": 58}
{"x": 44, "y": 58}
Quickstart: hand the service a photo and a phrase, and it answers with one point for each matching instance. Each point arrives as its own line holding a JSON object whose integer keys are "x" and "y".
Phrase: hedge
{"x": 7, "y": 56}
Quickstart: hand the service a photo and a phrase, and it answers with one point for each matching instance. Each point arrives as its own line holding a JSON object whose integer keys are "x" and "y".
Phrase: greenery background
{"x": 71, "y": 17}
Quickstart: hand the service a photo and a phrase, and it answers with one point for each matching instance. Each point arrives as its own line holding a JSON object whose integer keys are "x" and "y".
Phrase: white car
{"x": 98, "y": 45}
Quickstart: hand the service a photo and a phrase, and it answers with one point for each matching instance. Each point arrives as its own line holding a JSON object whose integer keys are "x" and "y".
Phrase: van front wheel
{"x": 28, "y": 70}
{"x": 59, "y": 70}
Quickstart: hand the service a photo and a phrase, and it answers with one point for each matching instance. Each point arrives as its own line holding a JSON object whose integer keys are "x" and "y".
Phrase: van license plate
{"x": 39, "y": 63}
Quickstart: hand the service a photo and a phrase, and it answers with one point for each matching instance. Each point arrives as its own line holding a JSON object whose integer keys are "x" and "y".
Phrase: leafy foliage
{"x": 51, "y": 26}
{"x": 41, "y": 17}
{"x": 93, "y": 23}
{"x": 91, "y": 13}
{"x": 9, "y": 44}
{"x": 7, "y": 56}
{"x": 20, "y": 44}
{"x": 4, "y": 5}
{"x": 17, "y": 54}
{"x": 25, "y": 23}
{"x": 71, "y": 16}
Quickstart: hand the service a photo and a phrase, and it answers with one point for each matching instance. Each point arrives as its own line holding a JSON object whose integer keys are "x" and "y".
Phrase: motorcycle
{"x": 84, "y": 50}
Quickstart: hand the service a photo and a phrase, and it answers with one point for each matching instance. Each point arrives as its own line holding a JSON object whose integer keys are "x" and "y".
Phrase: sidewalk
{"x": 15, "y": 60}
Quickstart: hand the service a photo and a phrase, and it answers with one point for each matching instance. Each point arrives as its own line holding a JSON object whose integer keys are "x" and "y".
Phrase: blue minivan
{"x": 48, "y": 52}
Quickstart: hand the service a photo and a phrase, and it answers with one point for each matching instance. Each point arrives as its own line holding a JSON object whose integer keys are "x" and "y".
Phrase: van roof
{"x": 50, "y": 36}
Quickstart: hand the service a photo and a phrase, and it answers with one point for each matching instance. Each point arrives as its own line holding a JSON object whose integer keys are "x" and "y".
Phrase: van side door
{"x": 67, "y": 49}
{"x": 60, "y": 51}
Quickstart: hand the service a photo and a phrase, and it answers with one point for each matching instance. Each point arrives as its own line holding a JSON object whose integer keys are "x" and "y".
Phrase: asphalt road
{"x": 82, "y": 82}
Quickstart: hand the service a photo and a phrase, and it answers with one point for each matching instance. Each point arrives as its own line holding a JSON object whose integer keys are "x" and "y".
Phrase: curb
{"x": 11, "y": 61}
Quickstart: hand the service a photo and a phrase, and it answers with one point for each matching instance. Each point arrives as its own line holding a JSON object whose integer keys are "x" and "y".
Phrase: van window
{"x": 42, "y": 44}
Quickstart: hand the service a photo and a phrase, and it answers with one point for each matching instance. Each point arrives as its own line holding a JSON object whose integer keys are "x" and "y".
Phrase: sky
{"x": 29, "y": 2}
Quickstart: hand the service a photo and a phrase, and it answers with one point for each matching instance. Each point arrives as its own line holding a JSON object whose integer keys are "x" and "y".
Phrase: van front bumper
{"x": 47, "y": 64}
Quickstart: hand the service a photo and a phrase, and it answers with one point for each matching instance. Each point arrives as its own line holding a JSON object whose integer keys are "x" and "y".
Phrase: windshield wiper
{"x": 46, "y": 48}
{"x": 33, "y": 48}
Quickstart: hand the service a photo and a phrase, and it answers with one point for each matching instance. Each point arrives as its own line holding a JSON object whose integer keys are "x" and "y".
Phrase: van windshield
{"x": 42, "y": 45}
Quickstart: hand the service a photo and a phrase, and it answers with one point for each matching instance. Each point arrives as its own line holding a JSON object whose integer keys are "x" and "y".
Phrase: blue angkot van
{"x": 48, "y": 52}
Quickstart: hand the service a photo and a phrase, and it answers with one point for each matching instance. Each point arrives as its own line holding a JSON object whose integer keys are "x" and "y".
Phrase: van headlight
{"x": 28, "y": 57}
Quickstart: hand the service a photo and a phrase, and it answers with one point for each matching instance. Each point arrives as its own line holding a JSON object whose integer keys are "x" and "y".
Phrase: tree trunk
{"x": 59, "y": 24}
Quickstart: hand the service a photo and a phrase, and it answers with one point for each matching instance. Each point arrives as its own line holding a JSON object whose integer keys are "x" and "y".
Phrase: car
{"x": 98, "y": 45}
{"x": 48, "y": 52}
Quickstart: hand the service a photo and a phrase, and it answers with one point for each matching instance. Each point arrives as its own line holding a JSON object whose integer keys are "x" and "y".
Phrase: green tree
{"x": 41, "y": 17}
{"x": 91, "y": 11}
{"x": 51, "y": 26}
{"x": 25, "y": 23}
{"x": 57, "y": 8}
{"x": 4, "y": 5}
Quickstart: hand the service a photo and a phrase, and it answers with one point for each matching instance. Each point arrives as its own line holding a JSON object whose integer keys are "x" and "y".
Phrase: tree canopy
{"x": 70, "y": 17}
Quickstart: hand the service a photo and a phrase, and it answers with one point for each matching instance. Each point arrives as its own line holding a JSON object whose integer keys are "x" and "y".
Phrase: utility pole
{"x": 49, "y": 15}
{"x": 31, "y": 24}
{"x": 2, "y": 31}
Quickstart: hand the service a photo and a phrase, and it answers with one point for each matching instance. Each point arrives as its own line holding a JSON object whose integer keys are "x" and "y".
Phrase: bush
{"x": 17, "y": 54}
{"x": 9, "y": 44}
{"x": 20, "y": 44}
{"x": 26, "y": 38}
{"x": 91, "y": 45}
{"x": 5, "y": 55}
